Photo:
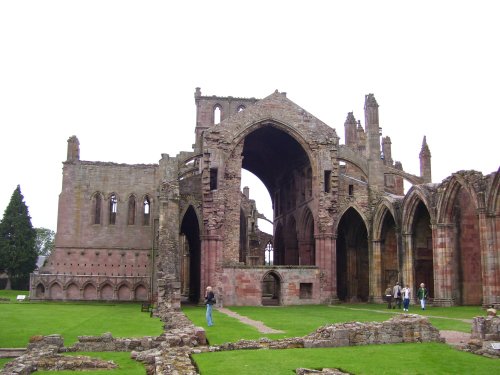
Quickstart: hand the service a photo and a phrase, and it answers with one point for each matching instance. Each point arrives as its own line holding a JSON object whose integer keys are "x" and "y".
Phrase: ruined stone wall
{"x": 106, "y": 260}
{"x": 81, "y": 180}
{"x": 243, "y": 285}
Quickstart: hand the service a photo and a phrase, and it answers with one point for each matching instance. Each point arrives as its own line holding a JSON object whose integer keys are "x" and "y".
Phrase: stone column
{"x": 376, "y": 287}
{"x": 326, "y": 261}
{"x": 211, "y": 263}
{"x": 443, "y": 248}
{"x": 489, "y": 260}
{"x": 408, "y": 264}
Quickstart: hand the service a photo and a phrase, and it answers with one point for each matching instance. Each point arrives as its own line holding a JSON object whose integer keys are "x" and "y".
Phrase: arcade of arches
{"x": 343, "y": 228}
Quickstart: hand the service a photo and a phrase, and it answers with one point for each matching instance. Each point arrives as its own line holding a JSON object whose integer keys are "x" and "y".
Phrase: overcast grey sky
{"x": 121, "y": 75}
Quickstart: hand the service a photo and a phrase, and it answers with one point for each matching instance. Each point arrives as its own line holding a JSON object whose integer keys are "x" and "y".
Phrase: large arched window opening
{"x": 280, "y": 162}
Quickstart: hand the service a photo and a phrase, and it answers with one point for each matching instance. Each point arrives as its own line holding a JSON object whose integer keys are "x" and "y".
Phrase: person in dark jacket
{"x": 209, "y": 301}
{"x": 422, "y": 295}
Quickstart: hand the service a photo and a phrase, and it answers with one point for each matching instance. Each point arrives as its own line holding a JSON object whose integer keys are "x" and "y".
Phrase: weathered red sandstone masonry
{"x": 343, "y": 226}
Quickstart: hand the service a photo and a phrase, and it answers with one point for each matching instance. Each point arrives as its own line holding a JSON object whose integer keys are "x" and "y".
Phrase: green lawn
{"x": 127, "y": 366}
{"x": 21, "y": 320}
{"x": 397, "y": 359}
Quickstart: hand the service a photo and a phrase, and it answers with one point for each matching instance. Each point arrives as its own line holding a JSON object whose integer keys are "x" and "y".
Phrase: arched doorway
{"x": 352, "y": 258}
{"x": 422, "y": 237}
{"x": 190, "y": 258}
{"x": 271, "y": 289}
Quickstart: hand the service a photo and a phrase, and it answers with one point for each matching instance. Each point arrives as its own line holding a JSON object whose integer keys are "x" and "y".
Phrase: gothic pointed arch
{"x": 415, "y": 196}
{"x": 190, "y": 247}
{"x": 493, "y": 196}
{"x": 131, "y": 209}
{"x": 96, "y": 207}
{"x": 464, "y": 184}
{"x": 458, "y": 209}
{"x": 418, "y": 220}
{"x": 353, "y": 268}
{"x": 55, "y": 290}
{"x": 386, "y": 235}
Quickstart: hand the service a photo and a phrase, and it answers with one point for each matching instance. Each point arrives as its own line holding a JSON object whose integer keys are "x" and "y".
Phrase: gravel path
{"x": 262, "y": 328}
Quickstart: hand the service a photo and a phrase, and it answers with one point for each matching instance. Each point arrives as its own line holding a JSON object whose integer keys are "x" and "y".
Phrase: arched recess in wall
{"x": 190, "y": 245}
{"x": 458, "y": 208}
{"x": 89, "y": 291}
{"x": 40, "y": 291}
{"x": 123, "y": 292}
{"x": 55, "y": 290}
{"x": 141, "y": 293}
{"x": 131, "y": 213}
{"x": 353, "y": 267}
{"x": 384, "y": 231}
{"x": 106, "y": 291}
{"x": 276, "y": 154}
{"x": 96, "y": 208}
{"x": 72, "y": 291}
{"x": 307, "y": 255}
{"x": 417, "y": 222}
{"x": 271, "y": 289}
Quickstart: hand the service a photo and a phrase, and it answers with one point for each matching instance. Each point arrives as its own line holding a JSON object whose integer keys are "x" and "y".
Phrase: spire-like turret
{"x": 350, "y": 133}
{"x": 425, "y": 162}
{"x": 73, "y": 149}
{"x": 375, "y": 172}
{"x": 387, "y": 150}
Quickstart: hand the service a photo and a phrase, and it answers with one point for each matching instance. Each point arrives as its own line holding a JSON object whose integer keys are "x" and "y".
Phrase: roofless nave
{"x": 343, "y": 228}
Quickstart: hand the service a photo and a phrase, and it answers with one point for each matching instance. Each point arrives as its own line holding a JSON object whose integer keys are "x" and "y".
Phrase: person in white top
{"x": 406, "y": 293}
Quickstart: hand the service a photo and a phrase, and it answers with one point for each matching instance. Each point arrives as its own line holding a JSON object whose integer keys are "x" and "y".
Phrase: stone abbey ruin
{"x": 343, "y": 226}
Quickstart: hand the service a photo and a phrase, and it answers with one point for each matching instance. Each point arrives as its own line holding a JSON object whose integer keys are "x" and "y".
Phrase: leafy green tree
{"x": 44, "y": 241}
{"x": 17, "y": 242}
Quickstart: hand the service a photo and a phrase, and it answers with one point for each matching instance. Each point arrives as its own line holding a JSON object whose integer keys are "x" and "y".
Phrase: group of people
{"x": 398, "y": 295}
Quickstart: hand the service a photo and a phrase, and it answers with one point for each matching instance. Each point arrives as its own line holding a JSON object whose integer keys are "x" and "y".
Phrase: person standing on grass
{"x": 396, "y": 291}
{"x": 406, "y": 293}
{"x": 209, "y": 301}
{"x": 422, "y": 295}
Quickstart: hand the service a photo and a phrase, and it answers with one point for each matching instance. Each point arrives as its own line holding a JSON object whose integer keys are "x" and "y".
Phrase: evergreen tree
{"x": 17, "y": 242}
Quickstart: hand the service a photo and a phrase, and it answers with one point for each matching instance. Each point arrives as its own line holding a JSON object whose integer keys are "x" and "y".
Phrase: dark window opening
{"x": 97, "y": 209}
{"x": 131, "y": 211}
{"x": 328, "y": 174}
{"x": 305, "y": 291}
{"x": 213, "y": 178}
{"x": 351, "y": 190}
